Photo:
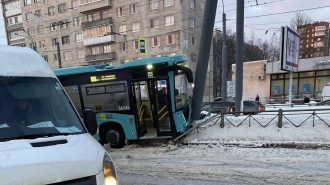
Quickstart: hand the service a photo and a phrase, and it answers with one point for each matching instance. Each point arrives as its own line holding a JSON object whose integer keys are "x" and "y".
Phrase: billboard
{"x": 289, "y": 55}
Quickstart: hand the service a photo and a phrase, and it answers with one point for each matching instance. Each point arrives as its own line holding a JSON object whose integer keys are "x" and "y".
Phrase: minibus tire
{"x": 113, "y": 131}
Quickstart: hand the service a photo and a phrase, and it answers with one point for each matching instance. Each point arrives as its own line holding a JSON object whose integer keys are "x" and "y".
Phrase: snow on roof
{"x": 22, "y": 61}
{"x": 255, "y": 133}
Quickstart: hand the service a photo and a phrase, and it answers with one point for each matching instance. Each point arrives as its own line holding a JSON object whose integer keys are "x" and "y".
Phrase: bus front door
{"x": 160, "y": 106}
{"x": 140, "y": 96}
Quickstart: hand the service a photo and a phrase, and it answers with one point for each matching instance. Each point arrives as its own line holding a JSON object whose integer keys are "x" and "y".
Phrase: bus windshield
{"x": 31, "y": 107}
{"x": 182, "y": 92}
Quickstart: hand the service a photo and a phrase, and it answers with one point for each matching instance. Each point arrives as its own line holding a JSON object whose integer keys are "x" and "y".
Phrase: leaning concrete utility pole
{"x": 239, "y": 55}
{"x": 203, "y": 55}
{"x": 224, "y": 58}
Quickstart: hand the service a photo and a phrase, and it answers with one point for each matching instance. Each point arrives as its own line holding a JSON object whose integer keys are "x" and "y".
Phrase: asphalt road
{"x": 220, "y": 165}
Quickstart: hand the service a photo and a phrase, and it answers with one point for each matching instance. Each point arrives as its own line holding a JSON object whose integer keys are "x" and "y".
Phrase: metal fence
{"x": 278, "y": 117}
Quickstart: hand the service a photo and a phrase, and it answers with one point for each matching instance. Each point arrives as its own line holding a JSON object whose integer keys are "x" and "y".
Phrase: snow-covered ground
{"x": 216, "y": 162}
{"x": 299, "y": 126}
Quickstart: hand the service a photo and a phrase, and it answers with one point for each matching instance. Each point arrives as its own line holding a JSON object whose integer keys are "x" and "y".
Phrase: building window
{"x": 42, "y": 44}
{"x": 192, "y": 23}
{"x": 63, "y": 24}
{"x": 193, "y": 58}
{"x": 45, "y": 58}
{"x": 40, "y": 29}
{"x": 168, "y": 3}
{"x": 75, "y": 4}
{"x": 29, "y": 16}
{"x": 32, "y": 45}
{"x": 65, "y": 39}
{"x": 81, "y": 53}
{"x": 55, "y": 57}
{"x": 107, "y": 49}
{"x": 62, "y": 8}
{"x": 135, "y": 45}
{"x": 54, "y": 41}
{"x": 30, "y": 31}
{"x": 38, "y": 13}
{"x": 91, "y": 17}
{"x": 77, "y": 21}
{"x": 135, "y": 27}
{"x": 95, "y": 50}
{"x": 79, "y": 37}
{"x": 122, "y": 29}
{"x": 134, "y": 8}
{"x": 319, "y": 33}
{"x": 51, "y": 10}
{"x": 153, "y": 4}
{"x": 306, "y": 45}
{"x": 123, "y": 46}
{"x": 154, "y": 23}
{"x": 170, "y": 39}
{"x": 104, "y": 14}
{"x": 67, "y": 55}
{"x": 37, "y": 1}
{"x": 318, "y": 28}
{"x": 53, "y": 26}
{"x": 307, "y": 40}
{"x": 27, "y": 2}
{"x": 14, "y": 20}
{"x": 155, "y": 41}
{"x": 192, "y": 40}
{"x": 169, "y": 20}
{"x": 192, "y": 4}
{"x": 120, "y": 11}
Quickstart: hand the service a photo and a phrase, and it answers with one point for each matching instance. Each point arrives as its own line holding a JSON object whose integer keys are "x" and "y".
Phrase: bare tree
{"x": 299, "y": 18}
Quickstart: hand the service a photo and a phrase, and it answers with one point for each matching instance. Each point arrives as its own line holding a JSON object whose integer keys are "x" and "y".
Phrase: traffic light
{"x": 125, "y": 38}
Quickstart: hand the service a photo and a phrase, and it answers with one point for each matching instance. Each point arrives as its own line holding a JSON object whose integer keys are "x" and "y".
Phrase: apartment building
{"x": 314, "y": 40}
{"x": 105, "y": 31}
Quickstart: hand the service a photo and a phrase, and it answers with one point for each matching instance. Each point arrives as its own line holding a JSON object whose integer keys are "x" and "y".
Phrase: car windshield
{"x": 33, "y": 107}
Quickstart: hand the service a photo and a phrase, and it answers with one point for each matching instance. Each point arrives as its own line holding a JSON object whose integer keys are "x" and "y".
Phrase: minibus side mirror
{"x": 90, "y": 121}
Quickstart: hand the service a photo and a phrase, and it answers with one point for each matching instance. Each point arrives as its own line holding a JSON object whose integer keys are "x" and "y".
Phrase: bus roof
{"x": 23, "y": 61}
{"x": 138, "y": 62}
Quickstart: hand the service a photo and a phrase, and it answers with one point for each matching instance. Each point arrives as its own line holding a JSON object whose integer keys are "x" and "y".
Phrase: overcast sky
{"x": 257, "y": 24}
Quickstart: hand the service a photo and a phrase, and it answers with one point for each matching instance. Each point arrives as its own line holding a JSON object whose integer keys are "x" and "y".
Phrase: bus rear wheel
{"x": 114, "y": 135}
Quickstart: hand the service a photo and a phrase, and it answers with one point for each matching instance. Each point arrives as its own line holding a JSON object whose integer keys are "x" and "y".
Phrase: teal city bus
{"x": 143, "y": 99}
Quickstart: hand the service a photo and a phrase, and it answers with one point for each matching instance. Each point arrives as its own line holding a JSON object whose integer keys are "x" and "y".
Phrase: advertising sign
{"x": 231, "y": 88}
{"x": 277, "y": 90}
{"x": 289, "y": 56}
{"x": 306, "y": 87}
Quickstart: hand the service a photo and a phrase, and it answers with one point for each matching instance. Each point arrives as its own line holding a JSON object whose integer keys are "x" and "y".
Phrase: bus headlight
{"x": 109, "y": 171}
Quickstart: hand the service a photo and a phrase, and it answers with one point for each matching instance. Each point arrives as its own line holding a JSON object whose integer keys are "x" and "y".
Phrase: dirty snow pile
{"x": 298, "y": 127}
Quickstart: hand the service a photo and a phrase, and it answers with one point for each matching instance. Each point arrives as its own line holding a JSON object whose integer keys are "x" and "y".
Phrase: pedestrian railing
{"x": 279, "y": 117}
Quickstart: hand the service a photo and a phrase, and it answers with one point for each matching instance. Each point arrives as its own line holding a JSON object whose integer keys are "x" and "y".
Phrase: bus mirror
{"x": 188, "y": 73}
{"x": 90, "y": 121}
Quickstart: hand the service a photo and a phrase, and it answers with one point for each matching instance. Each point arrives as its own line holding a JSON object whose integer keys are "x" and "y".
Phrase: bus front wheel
{"x": 114, "y": 135}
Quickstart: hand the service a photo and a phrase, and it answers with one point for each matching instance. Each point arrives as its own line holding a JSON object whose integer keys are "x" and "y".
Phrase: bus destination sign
{"x": 103, "y": 78}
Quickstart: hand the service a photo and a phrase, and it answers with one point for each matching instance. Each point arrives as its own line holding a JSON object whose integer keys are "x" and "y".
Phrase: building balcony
{"x": 105, "y": 21}
{"x": 99, "y": 40}
{"x": 14, "y": 27}
{"x": 12, "y": 12}
{"x": 96, "y": 5}
{"x": 17, "y": 41}
{"x": 100, "y": 57}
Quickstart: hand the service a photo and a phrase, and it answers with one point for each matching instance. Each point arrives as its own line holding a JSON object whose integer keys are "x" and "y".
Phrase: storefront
{"x": 312, "y": 75}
